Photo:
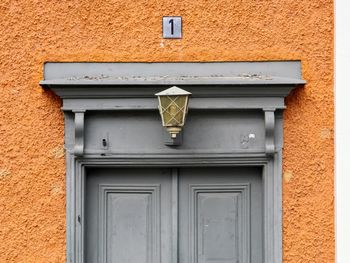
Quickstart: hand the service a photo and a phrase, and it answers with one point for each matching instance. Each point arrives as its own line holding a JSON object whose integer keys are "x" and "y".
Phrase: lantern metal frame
{"x": 173, "y": 109}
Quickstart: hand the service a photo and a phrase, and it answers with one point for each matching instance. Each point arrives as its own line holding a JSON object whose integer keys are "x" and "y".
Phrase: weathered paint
{"x": 32, "y": 181}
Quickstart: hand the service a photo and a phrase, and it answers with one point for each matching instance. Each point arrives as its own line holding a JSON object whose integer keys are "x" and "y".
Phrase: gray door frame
{"x": 219, "y": 87}
{"x": 271, "y": 177}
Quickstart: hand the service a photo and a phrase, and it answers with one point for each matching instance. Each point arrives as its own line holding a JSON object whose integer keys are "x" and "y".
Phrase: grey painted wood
{"x": 141, "y": 132}
{"x": 249, "y": 79}
{"x": 270, "y": 131}
{"x": 175, "y": 214}
{"x": 128, "y": 223}
{"x": 128, "y": 212}
{"x": 195, "y": 104}
{"x": 276, "y": 72}
{"x": 79, "y": 132}
{"x": 224, "y": 219}
{"x": 128, "y": 216}
{"x": 70, "y": 208}
{"x": 142, "y": 80}
{"x": 271, "y": 227}
{"x": 230, "y": 124}
{"x": 218, "y": 223}
{"x": 147, "y": 92}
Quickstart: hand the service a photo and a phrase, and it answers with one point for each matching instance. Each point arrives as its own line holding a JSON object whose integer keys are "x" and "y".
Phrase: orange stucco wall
{"x": 32, "y": 166}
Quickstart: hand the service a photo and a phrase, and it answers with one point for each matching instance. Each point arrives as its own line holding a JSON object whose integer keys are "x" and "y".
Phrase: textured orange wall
{"x": 32, "y": 168}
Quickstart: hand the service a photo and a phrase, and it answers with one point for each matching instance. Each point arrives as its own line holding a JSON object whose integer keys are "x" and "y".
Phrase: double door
{"x": 174, "y": 215}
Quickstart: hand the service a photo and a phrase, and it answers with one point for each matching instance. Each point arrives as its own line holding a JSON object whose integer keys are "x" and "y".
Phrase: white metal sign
{"x": 172, "y": 27}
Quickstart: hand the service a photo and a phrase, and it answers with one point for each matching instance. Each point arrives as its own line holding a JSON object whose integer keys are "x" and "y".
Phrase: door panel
{"x": 129, "y": 223}
{"x": 127, "y": 215}
{"x": 217, "y": 226}
{"x": 220, "y": 215}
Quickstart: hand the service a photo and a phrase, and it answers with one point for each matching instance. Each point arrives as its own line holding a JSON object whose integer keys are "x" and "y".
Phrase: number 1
{"x": 171, "y": 21}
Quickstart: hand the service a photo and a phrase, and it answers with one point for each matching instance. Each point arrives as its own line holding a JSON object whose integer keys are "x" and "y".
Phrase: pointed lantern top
{"x": 173, "y": 91}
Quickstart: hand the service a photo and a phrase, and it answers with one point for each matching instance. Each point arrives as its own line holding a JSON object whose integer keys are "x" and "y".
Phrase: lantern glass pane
{"x": 173, "y": 110}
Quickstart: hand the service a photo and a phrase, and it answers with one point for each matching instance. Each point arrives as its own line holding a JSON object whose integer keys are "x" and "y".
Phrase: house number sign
{"x": 172, "y": 27}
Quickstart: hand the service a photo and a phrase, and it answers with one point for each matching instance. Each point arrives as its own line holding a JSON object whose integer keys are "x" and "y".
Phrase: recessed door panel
{"x": 217, "y": 227}
{"x": 129, "y": 225}
{"x": 220, "y": 215}
{"x": 128, "y": 216}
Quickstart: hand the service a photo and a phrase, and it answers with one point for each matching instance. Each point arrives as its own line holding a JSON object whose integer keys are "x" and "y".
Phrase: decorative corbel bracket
{"x": 79, "y": 132}
{"x": 269, "y": 131}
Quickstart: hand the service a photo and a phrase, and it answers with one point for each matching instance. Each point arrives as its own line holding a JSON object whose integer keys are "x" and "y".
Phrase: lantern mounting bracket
{"x": 169, "y": 141}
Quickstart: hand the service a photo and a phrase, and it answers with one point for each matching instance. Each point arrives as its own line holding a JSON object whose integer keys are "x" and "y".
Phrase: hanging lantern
{"x": 173, "y": 107}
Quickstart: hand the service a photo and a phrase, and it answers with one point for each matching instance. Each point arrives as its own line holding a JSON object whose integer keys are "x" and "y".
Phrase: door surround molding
{"x": 217, "y": 87}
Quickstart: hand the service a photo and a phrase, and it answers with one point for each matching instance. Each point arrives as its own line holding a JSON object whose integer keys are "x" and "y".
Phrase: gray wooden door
{"x": 129, "y": 215}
